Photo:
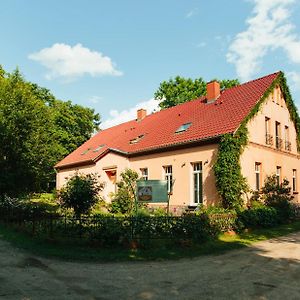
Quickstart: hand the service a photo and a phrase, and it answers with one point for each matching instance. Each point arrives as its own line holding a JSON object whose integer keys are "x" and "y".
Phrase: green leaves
{"x": 81, "y": 193}
{"x": 123, "y": 200}
{"x": 180, "y": 90}
{"x": 229, "y": 179}
{"x": 36, "y": 131}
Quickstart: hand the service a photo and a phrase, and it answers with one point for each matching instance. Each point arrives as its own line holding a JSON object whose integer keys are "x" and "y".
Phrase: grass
{"x": 158, "y": 251}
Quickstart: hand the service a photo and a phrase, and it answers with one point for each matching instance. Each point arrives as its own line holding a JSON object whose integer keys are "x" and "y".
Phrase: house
{"x": 181, "y": 144}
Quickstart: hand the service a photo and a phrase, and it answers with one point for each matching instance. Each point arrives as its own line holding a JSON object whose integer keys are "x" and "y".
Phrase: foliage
{"x": 229, "y": 180}
{"x": 36, "y": 131}
{"x": 123, "y": 200}
{"x": 210, "y": 210}
{"x": 179, "y": 90}
{"x": 159, "y": 250}
{"x": 7, "y": 203}
{"x": 80, "y": 193}
{"x": 220, "y": 218}
{"x": 278, "y": 196}
{"x": 258, "y": 217}
{"x": 159, "y": 212}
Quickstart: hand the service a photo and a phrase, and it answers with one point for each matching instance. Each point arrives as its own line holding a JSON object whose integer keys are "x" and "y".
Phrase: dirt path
{"x": 268, "y": 270}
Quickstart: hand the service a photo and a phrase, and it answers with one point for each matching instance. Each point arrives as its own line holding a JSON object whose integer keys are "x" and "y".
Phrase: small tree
{"x": 277, "y": 195}
{"x": 123, "y": 200}
{"x": 81, "y": 193}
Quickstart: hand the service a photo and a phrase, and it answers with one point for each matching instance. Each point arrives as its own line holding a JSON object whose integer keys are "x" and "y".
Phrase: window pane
{"x": 197, "y": 183}
{"x": 257, "y": 182}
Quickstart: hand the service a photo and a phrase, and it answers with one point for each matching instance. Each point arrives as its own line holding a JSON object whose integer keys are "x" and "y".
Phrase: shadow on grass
{"x": 157, "y": 250}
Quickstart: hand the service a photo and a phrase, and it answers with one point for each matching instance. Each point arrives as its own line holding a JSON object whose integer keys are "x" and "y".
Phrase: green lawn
{"x": 158, "y": 251}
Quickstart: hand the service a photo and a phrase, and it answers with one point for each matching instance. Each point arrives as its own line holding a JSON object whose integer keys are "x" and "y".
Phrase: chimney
{"x": 141, "y": 114}
{"x": 212, "y": 91}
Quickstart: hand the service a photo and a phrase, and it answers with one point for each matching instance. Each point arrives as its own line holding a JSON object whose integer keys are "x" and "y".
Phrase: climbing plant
{"x": 230, "y": 182}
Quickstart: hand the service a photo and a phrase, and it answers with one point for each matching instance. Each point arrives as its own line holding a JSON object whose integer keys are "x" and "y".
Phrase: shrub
{"x": 278, "y": 196}
{"x": 123, "y": 200}
{"x": 80, "y": 193}
{"x": 222, "y": 219}
{"x": 258, "y": 217}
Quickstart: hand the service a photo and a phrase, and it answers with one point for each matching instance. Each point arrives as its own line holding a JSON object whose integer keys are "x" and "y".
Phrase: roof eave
{"x": 176, "y": 146}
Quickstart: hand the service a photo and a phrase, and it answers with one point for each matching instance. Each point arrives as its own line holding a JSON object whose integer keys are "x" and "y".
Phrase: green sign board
{"x": 152, "y": 191}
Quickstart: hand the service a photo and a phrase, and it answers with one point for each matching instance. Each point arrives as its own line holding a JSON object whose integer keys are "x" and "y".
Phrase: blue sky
{"x": 112, "y": 55}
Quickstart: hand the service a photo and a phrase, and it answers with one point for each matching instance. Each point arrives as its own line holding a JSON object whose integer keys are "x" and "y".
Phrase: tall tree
{"x": 179, "y": 90}
{"x": 36, "y": 131}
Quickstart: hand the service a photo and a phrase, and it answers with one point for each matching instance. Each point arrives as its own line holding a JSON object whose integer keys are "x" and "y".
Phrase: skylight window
{"x": 137, "y": 139}
{"x": 85, "y": 151}
{"x": 99, "y": 148}
{"x": 183, "y": 127}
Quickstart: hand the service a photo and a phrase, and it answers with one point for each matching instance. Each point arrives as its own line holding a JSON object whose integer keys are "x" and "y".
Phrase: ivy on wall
{"x": 230, "y": 182}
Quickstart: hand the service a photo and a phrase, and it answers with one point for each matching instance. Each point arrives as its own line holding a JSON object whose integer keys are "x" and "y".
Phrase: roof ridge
{"x": 253, "y": 80}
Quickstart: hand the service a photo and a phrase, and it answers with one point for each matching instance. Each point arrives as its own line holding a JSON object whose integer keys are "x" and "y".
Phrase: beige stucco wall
{"x": 181, "y": 162}
{"x": 108, "y": 162}
{"x": 258, "y": 152}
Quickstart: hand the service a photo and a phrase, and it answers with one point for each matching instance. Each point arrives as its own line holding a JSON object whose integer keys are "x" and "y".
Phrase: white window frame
{"x": 278, "y": 174}
{"x": 144, "y": 173}
{"x": 199, "y": 173}
{"x": 277, "y": 135}
{"x": 294, "y": 180}
{"x": 168, "y": 175}
{"x": 257, "y": 175}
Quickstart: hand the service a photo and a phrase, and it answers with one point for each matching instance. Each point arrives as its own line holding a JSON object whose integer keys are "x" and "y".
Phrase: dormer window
{"x": 85, "y": 151}
{"x": 183, "y": 127}
{"x": 137, "y": 139}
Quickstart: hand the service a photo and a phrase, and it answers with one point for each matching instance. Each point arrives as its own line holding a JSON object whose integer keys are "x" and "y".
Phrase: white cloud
{"x": 95, "y": 99}
{"x": 201, "y": 45}
{"x": 294, "y": 78}
{"x": 118, "y": 117}
{"x": 192, "y": 13}
{"x": 269, "y": 28}
{"x": 70, "y": 62}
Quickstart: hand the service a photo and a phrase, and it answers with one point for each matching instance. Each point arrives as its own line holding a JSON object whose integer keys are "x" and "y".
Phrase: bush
{"x": 80, "y": 193}
{"x": 222, "y": 219}
{"x": 124, "y": 199}
{"x": 278, "y": 196}
{"x": 258, "y": 217}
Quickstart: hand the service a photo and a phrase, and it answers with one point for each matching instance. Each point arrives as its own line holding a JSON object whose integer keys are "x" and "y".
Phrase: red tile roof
{"x": 158, "y": 130}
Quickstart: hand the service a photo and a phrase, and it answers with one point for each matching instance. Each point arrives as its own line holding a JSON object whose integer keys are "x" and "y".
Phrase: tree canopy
{"x": 36, "y": 131}
{"x": 179, "y": 90}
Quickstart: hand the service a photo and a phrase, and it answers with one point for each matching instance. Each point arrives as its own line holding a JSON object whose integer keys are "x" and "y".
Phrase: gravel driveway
{"x": 267, "y": 270}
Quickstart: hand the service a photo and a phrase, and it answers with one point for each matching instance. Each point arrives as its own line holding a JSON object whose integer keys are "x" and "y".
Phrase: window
{"x": 137, "y": 139}
{"x": 197, "y": 183}
{"x": 169, "y": 177}
{"x": 257, "y": 176}
{"x": 278, "y": 175}
{"x": 85, "y": 151}
{"x": 183, "y": 127}
{"x": 278, "y": 135}
{"x": 294, "y": 180}
{"x": 144, "y": 173}
{"x": 269, "y": 137}
{"x": 111, "y": 173}
{"x": 287, "y": 143}
{"x": 99, "y": 148}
